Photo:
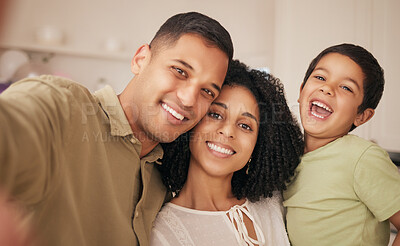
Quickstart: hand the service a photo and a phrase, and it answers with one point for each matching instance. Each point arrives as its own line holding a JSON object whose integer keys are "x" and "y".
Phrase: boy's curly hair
{"x": 276, "y": 153}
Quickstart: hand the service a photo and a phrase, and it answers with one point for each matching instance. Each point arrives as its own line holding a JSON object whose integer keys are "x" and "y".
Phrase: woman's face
{"x": 224, "y": 139}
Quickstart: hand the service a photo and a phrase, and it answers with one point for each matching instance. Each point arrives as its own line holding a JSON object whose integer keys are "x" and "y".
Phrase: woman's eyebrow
{"x": 220, "y": 104}
{"x": 250, "y": 116}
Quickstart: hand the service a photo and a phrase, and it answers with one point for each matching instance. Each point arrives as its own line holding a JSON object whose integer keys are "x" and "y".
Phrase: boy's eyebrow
{"x": 187, "y": 65}
{"x": 247, "y": 114}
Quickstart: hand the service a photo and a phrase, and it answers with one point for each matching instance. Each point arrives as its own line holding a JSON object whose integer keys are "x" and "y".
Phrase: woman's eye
{"x": 209, "y": 93}
{"x": 215, "y": 115}
{"x": 245, "y": 126}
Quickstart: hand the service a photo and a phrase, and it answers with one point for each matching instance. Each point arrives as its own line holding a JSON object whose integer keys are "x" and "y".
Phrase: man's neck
{"x": 147, "y": 144}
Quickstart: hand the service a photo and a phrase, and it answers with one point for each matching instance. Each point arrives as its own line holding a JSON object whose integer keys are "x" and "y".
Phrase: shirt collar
{"x": 112, "y": 107}
{"x": 119, "y": 123}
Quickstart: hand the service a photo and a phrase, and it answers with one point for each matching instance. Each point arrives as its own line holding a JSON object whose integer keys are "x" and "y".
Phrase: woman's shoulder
{"x": 269, "y": 203}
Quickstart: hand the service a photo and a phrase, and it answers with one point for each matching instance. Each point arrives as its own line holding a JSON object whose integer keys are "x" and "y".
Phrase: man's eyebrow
{"x": 185, "y": 64}
{"x": 216, "y": 87}
{"x": 250, "y": 116}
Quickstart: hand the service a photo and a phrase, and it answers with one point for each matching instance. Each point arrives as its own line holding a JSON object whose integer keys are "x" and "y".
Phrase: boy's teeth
{"x": 220, "y": 149}
{"x": 316, "y": 115}
{"x": 319, "y": 104}
{"x": 173, "y": 112}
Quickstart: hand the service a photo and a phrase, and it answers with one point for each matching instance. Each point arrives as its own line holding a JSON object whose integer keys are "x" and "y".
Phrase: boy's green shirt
{"x": 343, "y": 194}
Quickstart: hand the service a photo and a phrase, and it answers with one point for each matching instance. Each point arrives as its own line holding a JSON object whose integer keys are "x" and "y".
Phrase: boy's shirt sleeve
{"x": 377, "y": 182}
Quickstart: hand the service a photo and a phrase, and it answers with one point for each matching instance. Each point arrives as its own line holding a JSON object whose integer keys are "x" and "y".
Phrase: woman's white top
{"x": 176, "y": 225}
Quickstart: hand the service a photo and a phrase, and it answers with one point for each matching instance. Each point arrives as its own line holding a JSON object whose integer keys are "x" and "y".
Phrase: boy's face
{"x": 175, "y": 86}
{"x": 330, "y": 98}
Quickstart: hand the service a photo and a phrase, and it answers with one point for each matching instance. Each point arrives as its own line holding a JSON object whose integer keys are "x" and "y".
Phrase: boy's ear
{"x": 140, "y": 59}
{"x": 364, "y": 117}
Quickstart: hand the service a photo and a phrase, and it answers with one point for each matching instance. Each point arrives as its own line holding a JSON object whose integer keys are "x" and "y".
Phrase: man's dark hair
{"x": 193, "y": 23}
{"x": 374, "y": 81}
{"x": 276, "y": 153}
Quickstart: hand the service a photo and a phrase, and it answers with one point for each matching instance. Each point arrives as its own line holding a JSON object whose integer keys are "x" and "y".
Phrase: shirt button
{"x": 137, "y": 214}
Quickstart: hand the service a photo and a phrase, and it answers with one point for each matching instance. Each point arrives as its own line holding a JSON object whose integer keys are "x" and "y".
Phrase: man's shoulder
{"x": 55, "y": 84}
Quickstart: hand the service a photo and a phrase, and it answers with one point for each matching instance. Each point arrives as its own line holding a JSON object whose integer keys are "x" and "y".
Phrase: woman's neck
{"x": 202, "y": 192}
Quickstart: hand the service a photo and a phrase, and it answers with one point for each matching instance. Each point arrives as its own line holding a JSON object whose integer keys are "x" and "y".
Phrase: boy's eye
{"x": 245, "y": 126}
{"x": 209, "y": 93}
{"x": 346, "y": 88}
{"x": 320, "y": 78}
{"x": 215, "y": 115}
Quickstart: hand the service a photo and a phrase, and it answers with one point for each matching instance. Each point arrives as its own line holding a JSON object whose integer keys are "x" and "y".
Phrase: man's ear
{"x": 140, "y": 59}
{"x": 364, "y": 117}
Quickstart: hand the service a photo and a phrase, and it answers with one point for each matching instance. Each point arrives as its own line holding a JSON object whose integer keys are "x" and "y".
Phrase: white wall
{"x": 87, "y": 24}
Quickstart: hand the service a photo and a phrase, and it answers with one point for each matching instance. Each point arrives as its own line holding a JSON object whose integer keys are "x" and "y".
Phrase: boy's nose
{"x": 327, "y": 89}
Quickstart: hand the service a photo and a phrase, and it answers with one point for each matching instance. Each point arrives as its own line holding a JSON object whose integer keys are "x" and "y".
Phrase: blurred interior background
{"x": 93, "y": 41}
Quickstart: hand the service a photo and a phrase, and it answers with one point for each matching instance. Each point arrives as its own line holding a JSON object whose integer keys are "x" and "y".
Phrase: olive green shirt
{"x": 70, "y": 158}
{"x": 343, "y": 194}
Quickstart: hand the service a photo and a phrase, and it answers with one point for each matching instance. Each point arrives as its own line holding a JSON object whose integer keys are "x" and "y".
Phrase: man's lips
{"x": 223, "y": 149}
{"x": 173, "y": 112}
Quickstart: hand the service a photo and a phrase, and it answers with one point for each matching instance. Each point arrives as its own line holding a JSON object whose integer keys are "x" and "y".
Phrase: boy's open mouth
{"x": 320, "y": 110}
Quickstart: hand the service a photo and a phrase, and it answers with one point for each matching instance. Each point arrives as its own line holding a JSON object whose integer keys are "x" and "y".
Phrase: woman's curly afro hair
{"x": 276, "y": 153}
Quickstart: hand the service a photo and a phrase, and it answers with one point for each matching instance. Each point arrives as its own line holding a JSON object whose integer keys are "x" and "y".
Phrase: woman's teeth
{"x": 173, "y": 112}
{"x": 220, "y": 149}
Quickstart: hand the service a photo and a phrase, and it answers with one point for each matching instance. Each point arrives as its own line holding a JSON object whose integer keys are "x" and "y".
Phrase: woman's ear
{"x": 301, "y": 89}
{"x": 140, "y": 59}
{"x": 363, "y": 117}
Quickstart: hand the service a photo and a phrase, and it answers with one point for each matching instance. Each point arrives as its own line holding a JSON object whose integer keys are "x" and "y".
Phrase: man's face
{"x": 174, "y": 87}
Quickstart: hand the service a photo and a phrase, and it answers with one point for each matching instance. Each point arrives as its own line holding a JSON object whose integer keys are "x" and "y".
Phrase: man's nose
{"x": 188, "y": 95}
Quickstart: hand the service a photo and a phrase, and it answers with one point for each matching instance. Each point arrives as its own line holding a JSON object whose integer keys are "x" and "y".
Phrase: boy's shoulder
{"x": 348, "y": 147}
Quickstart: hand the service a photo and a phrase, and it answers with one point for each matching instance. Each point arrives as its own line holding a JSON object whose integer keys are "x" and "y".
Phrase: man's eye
{"x": 209, "y": 93}
{"x": 180, "y": 71}
{"x": 215, "y": 115}
{"x": 245, "y": 126}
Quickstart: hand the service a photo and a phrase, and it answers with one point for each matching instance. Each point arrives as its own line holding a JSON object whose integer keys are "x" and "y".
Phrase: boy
{"x": 346, "y": 189}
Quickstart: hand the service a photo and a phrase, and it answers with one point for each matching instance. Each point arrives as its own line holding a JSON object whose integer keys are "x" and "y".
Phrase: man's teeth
{"x": 321, "y": 105}
{"x": 220, "y": 149}
{"x": 173, "y": 112}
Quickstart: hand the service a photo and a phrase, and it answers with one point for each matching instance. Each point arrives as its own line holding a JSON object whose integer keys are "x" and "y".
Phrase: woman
{"x": 228, "y": 172}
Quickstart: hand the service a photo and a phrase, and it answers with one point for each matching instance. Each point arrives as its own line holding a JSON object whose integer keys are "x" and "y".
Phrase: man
{"x": 83, "y": 165}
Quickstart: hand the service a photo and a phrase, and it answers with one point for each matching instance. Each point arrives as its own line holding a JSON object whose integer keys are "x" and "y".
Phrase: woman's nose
{"x": 227, "y": 130}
